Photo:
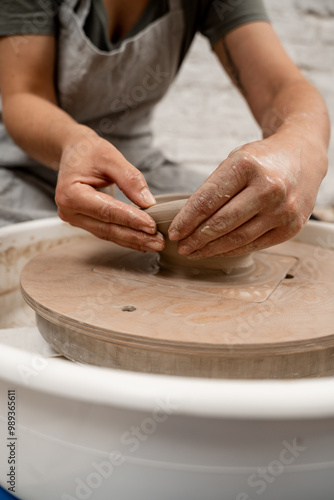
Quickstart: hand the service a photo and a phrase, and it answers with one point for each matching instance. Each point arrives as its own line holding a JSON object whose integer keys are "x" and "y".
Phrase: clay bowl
{"x": 167, "y": 207}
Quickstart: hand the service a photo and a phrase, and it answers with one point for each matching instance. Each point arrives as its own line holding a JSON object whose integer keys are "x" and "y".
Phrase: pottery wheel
{"x": 99, "y": 303}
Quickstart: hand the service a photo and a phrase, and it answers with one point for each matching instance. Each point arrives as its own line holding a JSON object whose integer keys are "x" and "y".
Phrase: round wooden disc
{"x": 99, "y": 303}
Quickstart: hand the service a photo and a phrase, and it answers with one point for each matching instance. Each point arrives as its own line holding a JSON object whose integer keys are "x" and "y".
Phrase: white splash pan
{"x": 175, "y": 437}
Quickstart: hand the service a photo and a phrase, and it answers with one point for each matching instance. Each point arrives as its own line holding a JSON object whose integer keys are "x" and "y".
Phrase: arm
{"x": 85, "y": 161}
{"x": 264, "y": 192}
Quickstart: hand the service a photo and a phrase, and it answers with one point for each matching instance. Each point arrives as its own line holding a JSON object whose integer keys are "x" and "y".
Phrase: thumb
{"x": 133, "y": 184}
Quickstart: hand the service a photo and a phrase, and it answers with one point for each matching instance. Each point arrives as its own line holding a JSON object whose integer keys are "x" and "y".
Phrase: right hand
{"x": 93, "y": 163}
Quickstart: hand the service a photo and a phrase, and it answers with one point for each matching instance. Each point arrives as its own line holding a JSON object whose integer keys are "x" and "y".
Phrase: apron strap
{"x": 81, "y": 11}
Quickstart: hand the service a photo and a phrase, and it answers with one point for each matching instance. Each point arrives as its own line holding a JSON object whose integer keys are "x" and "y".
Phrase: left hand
{"x": 261, "y": 195}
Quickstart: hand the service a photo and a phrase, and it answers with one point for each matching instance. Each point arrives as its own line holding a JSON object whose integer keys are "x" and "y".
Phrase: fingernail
{"x": 149, "y": 229}
{"x": 147, "y": 197}
{"x": 155, "y": 245}
{"x": 173, "y": 235}
{"x": 195, "y": 256}
{"x": 183, "y": 250}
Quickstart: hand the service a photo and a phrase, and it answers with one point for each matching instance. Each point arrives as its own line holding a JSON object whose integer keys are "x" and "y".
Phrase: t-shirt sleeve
{"x": 223, "y": 16}
{"x": 28, "y": 17}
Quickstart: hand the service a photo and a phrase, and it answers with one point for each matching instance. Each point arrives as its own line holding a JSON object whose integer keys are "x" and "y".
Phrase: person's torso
{"x": 114, "y": 92}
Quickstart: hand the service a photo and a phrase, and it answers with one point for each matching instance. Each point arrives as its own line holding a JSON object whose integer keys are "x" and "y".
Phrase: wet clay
{"x": 163, "y": 213}
{"x": 99, "y": 303}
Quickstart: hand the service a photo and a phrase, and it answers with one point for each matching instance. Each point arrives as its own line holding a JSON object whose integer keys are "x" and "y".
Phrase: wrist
{"x": 77, "y": 134}
{"x": 312, "y": 149}
{"x": 76, "y": 141}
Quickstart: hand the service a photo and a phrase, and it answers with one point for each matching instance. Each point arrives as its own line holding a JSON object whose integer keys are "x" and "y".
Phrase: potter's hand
{"x": 261, "y": 195}
{"x": 93, "y": 163}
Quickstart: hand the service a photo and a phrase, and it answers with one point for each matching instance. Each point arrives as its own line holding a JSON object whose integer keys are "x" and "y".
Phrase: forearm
{"x": 280, "y": 98}
{"x": 299, "y": 116}
{"x": 40, "y": 128}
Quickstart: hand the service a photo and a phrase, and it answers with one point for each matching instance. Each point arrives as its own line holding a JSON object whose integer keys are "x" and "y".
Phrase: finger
{"x": 121, "y": 235}
{"x": 267, "y": 240}
{"x": 130, "y": 181}
{"x": 222, "y": 185}
{"x": 240, "y": 209}
{"x": 241, "y": 240}
{"x": 85, "y": 200}
{"x": 274, "y": 236}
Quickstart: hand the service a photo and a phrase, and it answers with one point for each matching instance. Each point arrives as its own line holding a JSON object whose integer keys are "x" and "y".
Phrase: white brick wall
{"x": 203, "y": 117}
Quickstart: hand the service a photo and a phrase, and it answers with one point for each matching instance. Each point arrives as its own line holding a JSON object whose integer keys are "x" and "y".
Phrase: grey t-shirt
{"x": 212, "y": 18}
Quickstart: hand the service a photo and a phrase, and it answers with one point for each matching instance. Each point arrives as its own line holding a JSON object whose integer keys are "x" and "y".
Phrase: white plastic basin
{"x": 85, "y": 432}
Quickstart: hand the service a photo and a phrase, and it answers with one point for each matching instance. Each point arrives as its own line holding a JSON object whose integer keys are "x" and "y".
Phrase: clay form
{"x": 167, "y": 207}
{"x": 102, "y": 304}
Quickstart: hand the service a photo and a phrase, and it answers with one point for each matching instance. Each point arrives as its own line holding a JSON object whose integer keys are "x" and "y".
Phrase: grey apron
{"x": 114, "y": 93}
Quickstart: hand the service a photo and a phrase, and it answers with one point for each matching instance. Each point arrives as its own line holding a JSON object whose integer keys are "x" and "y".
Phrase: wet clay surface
{"x": 106, "y": 305}
{"x": 12, "y": 260}
{"x": 253, "y": 284}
